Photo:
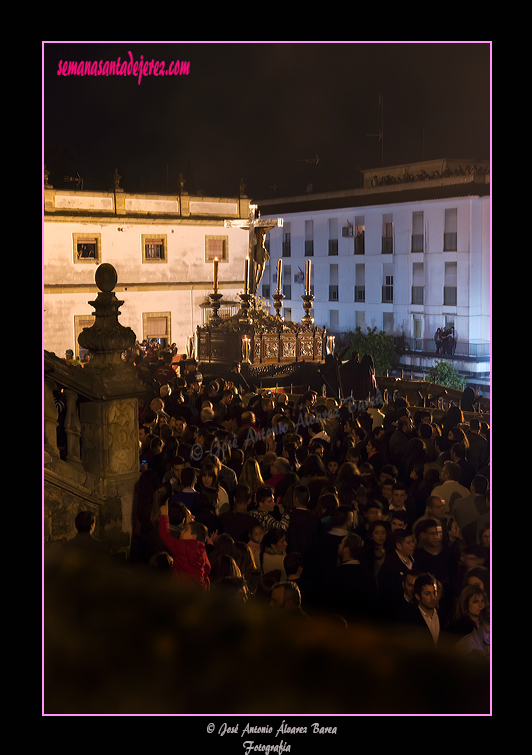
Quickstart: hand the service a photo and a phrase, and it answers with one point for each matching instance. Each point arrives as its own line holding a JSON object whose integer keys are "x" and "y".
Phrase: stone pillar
{"x": 109, "y": 424}
{"x": 50, "y": 419}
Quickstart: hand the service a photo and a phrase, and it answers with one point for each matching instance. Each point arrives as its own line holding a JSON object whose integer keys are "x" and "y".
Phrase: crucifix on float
{"x": 258, "y": 255}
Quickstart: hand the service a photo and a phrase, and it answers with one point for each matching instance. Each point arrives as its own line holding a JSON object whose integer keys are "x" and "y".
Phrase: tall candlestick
{"x": 216, "y": 275}
{"x": 279, "y": 272}
{"x": 246, "y": 275}
{"x": 307, "y": 282}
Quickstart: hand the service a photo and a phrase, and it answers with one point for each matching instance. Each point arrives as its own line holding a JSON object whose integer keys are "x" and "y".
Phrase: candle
{"x": 279, "y": 271}
{"x": 246, "y": 275}
{"x": 307, "y": 283}
{"x": 216, "y": 275}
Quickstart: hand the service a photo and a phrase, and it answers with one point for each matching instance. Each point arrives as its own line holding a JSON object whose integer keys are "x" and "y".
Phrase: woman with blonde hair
{"x": 251, "y": 476}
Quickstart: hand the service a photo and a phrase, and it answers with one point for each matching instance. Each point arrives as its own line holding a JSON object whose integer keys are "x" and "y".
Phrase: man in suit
{"x": 478, "y": 454}
{"x": 349, "y": 590}
{"x": 304, "y": 528}
{"x": 322, "y": 556}
{"x": 425, "y": 614}
{"x": 401, "y": 502}
{"x": 467, "y": 470}
{"x": 395, "y": 568}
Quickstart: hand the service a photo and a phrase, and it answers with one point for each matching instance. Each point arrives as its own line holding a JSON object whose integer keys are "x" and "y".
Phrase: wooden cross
{"x": 258, "y": 256}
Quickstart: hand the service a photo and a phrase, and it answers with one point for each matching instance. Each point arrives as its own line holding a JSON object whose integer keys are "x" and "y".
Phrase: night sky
{"x": 262, "y": 112}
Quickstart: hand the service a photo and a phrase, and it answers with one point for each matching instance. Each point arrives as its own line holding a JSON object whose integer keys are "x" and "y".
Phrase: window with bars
{"x": 153, "y": 248}
{"x": 87, "y": 247}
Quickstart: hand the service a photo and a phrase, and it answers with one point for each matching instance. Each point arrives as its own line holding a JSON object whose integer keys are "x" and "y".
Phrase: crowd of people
{"x": 314, "y": 506}
{"x": 445, "y": 340}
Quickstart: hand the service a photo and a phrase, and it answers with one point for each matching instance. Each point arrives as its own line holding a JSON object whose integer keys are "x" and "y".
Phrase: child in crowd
{"x": 188, "y": 552}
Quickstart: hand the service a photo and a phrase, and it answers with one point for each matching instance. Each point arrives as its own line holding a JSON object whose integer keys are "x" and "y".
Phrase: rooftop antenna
{"x": 380, "y": 134}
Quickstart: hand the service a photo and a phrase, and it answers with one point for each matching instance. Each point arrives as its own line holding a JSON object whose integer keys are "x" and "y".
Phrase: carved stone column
{"x": 50, "y": 419}
{"x": 72, "y": 427}
{"x": 109, "y": 424}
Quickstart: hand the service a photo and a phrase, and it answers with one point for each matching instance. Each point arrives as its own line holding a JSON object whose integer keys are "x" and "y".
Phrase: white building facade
{"x": 163, "y": 249}
{"x": 406, "y": 258}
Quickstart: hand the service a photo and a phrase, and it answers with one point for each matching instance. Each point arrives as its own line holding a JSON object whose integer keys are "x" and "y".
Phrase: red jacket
{"x": 190, "y": 556}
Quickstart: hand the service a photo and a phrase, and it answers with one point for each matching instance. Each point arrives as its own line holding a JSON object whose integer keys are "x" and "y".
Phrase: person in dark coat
{"x": 322, "y": 556}
{"x": 350, "y": 589}
{"x": 237, "y": 522}
{"x": 395, "y": 568}
{"x": 305, "y": 527}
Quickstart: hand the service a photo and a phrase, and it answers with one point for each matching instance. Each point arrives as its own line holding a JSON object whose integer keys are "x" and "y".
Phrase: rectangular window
{"x": 450, "y": 284}
{"x": 216, "y": 247}
{"x": 333, "y": 283}
{"x": 265, "y": 290}
{"x": 387, "y": 290}
{"x": 450, "y": 236}
{"x": 360, "y": 283}
{"x": 86, "y": 247}
{"x": 333, "y": 237}
{"x": 334, "y": 320}
{"x": 387, "y": 323}
{"x": 286, "y": 240}
{"x": 309, "y": 238}
{"x": 287, "y": 288}
{"x": 360, "y": 319}
{"x": 156, "y": 326}
{"x": 153, "y": 248}
{"x": 418, "y": 283}
{"x": 387, "y": 234}
{"x": 417, "y": 232}
{"x": 360, "y": 232}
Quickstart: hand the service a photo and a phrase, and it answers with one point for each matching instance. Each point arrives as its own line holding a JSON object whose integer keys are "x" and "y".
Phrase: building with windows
{"x": 408, "y": 253}
{"x": 162, "y": 247}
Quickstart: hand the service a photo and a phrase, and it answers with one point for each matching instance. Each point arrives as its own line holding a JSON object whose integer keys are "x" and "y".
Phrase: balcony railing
{"x": 459, "y": 349}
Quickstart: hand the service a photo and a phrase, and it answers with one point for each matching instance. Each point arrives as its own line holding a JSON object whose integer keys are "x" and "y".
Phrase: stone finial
{"x": 242, "y": 188}
{"x": 116, "y": 180}
{"x": 107, "y": 339}
{"x": 46, "y": 174}
{"x": 182, "y": 184}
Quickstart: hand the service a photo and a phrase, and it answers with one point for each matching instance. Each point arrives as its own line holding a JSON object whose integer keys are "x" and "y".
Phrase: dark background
{"x": 262, "y": 112}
